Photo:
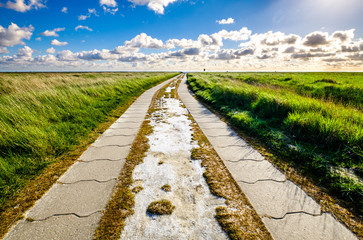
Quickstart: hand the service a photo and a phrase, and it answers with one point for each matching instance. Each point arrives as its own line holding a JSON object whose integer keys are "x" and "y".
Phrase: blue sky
{"x": 244, "y": 35}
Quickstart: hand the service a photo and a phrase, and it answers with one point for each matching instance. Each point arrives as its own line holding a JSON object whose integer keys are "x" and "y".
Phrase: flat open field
{"x": 44, "y": 116}
{"x": 314, "y": 120}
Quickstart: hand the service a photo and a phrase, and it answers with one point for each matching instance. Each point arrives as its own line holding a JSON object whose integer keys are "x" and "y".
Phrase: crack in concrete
{"x": 128, "y": 121}
{"x": 88, "y": 180}
{"x": 263, "y": 180}
{"x": 63, "y": 214}
{"x": 233, "y": 145}
{"x": 101, "y": 159}
{"x": 291, "y": 213}
{"x": 119, "y": 135}
{"x": 220, "y": 135}
{"x": 247, "y": 159}
{"x": 112, "y": 145}
{"x": 121, "y": 128}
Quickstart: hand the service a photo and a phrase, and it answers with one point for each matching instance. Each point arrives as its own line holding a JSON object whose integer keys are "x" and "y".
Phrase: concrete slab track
{"x": 71, "y": 209}
{"x": 287, "y": 211}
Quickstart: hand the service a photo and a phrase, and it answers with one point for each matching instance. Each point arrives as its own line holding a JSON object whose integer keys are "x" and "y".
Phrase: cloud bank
{"x": 269, "y": 51}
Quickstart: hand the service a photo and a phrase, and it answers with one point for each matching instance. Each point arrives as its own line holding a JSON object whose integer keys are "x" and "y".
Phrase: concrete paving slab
{"x": 218, "y": 132}
{"x": 275, "y": 199}
{"x": 198, "y": 111}
{"x": 82, "y": 198}
{"x": 129, "y": 120}
{"x": 120, "y": 132}
{"x": 301, "y": 226}
{"x": 134, "y": 115}
{"x": 121, "y": 125}
{"x": 113, "y": 140}
{"x": 252, "y": 171}
{"x": 214, "y": 125}
{"x": 225, "y": 141}
{"x": 237, "y": 153}
{"x": 102, "y": 170}
{"x": 136, "y": 110}
{"x": 89, "y": 185}
{"x": 208, "y": 120}
{"x": 56, "y": 228}
{"x": 295, "y": 214}
{"x": 104, "y": 153}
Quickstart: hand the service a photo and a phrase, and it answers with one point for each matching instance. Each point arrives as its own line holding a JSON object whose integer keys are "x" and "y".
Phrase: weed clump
{"x": 161, "y": 207}
{"x": 166, "y": 188}
{"x": 137, "y": 189}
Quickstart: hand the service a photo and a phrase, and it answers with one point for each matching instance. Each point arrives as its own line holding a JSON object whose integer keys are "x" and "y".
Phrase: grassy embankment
{"x": 314, "y": 120}
{"x": 46, "y": 115}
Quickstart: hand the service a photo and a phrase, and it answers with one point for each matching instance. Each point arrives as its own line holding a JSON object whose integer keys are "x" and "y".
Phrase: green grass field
{"x": 343, "y": 88}
{"x": 45, "y": 115}
{"x": 313, "y": 119}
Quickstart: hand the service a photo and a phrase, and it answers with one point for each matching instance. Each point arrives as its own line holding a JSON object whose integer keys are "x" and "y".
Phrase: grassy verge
{"x": 263, "y": 114}
{"x": 48, "y": 120}
{"x": 344, "y": 88}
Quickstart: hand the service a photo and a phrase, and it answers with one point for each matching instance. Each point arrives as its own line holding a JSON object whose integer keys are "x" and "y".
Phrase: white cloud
{"x": 108, "y": 3}
{"x": 55, "y": 42}
{"x": 89, "y": 14}
{"x": 110, "y": 10}
{"x": 50, "y": 50}
{"x": 225, "y": 21}
{"x": 144, "y": 41}
{"x": 316, "y": 39}
{"x": 64, "y": 10}
{"x": 265, "y": 52}
{"x": 274, "y": 39}
{"x": 344, "y": 36}
{"x": 157, "y": 6}
{"x": 52, "y": 33}
{"x": 21, "y": 6}
{"x": 46, "y": 59}
{"x": 38, "y": 39}
{"x": 25, "y": 53}
{"x": 14, "y": 35}
{"x": 66, "y": 55}
{"x": 229, "y": 54}
{"x": 83, "y": 17}
{"x": 83, "y": 27}
{"x": 204, "y": 42}
{"x": 3, "y": 50}
{"x": 242, "y": 34}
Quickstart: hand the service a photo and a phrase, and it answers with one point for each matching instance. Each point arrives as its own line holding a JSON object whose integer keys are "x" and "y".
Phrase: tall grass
{"x": 323, "y": 137}
{"x": 44, "y": 115}
{"x": 343, "y": 88}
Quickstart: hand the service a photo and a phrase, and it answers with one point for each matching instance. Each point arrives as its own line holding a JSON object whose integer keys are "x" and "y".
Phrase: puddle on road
{"x": 168, "y": 161}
